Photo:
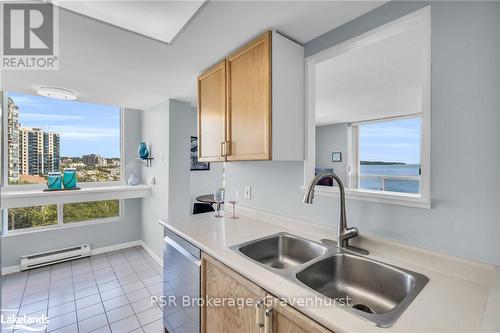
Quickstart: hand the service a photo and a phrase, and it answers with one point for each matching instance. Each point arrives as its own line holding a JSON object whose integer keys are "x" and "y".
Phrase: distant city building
{"x": 13, "y": 140}
{"x": 39, "y": 151}
{"x": 94, "y": 160}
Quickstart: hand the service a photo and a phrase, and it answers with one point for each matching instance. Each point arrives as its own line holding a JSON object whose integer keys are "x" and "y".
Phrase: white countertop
{"x": 461, "y": 296}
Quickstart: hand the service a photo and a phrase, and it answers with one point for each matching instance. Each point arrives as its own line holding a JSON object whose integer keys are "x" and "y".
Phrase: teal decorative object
{"x": 54, "y": 181}
{"x": 143, "y": 151}
{"x": 69, "y": 178}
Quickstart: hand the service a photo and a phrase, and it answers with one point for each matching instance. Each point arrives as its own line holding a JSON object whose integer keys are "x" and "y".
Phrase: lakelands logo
{"x": 29, "y": 36}
{"x": 9, "y": 320}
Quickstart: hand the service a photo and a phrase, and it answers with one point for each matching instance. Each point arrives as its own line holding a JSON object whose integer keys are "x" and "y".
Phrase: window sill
{"x": 390, "y": 198}
{"x": 12, "y": 198}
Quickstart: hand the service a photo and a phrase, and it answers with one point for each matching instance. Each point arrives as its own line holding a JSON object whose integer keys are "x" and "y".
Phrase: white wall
{"x": 97, "y": 235}
{"x": 166, "y": 127}
{"x": 180, "y": 146}
{"x": 204, "y": 182}
{"x": 465, "y": 144}
{"x": 155, "y": 129}
{"x": 329, "y": 139}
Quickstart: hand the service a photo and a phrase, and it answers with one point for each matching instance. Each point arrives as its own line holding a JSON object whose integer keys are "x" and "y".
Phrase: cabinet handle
{"x": 223, "y": 148}
{"x": 259, "y": 313}
{"x": 227, "y": 148}
{"x": 268, "y": 324}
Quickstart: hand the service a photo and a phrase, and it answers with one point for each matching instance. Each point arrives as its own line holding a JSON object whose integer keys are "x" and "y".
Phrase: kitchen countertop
{"x": 461, "y": 296}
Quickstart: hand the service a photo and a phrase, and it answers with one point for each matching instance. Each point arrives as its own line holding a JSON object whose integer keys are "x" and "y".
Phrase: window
{"x": 31, "y": 217}
{"x": 45, "y": 135}
{"x": 388, "y": 155}
{"x": 88, "y": 211}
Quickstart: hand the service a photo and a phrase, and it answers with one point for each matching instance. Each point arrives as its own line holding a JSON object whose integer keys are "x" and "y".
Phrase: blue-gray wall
{"x": 465, "y": 144}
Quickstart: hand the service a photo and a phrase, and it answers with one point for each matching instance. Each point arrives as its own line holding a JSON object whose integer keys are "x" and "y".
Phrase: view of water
{"x": 395, "y": 185}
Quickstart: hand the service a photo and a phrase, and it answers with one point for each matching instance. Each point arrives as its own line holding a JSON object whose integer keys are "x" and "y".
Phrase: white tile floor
{"x": 104, "y": 293}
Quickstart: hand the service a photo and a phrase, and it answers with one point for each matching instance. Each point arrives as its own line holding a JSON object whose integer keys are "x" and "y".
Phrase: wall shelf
{"x": 146, "y": 162}
{"x": 12, "y": 198}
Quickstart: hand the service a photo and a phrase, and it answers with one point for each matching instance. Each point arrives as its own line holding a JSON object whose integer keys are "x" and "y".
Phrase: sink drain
{"x": 362, "y": 307}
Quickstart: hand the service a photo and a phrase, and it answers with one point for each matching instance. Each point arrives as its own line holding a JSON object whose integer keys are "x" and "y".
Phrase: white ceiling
{"x": 108, "y": 65}
{"x": 161, "y": 20}
{"x": 377, "y": 81}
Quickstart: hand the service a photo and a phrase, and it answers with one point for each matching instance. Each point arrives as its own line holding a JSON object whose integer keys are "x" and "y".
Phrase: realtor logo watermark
{"x": 30, "y": 38}
{"x": 10, "y": 320}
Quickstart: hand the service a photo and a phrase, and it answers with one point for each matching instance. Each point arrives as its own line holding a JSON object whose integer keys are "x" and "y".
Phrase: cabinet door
{"x": 212, "y": 114}
{"x": 222, "y": 283}
{"x": 249, "y": 101}
{"x": 286, "y": 319}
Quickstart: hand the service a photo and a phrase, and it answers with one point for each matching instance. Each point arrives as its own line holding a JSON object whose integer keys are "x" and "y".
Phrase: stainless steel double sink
{"x": 375, "y": 291}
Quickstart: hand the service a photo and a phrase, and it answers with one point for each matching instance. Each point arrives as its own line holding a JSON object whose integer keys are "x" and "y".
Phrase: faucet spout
{"x": 343, "y": 232}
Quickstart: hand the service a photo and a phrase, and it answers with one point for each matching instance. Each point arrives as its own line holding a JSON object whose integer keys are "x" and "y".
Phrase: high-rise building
{"x": 13, "y": 140}
{"x": 39, "y": 151}
{"x": 93, "y": 160}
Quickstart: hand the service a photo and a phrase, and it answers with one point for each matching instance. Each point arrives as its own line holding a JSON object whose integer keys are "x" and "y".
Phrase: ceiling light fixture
{"x": 57, "y": 93}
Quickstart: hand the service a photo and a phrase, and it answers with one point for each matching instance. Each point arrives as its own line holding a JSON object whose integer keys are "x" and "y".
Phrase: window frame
{"x": 354, "y": 163}
{"x": 6, "y": 187}
{"x": 421, "y": 18}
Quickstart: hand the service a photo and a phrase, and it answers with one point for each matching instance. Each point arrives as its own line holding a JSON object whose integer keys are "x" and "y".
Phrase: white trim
{"x": 386, "y": 197}
{"x": 420, "y": 17}
{"x": 11, "y": 269}
{"x": 386, "y": 119}
{"x": 100, "y": 250}
{"x": 116, "y": 247}
{"x": 26, "y": 198}
{"x": 158, "y": 260}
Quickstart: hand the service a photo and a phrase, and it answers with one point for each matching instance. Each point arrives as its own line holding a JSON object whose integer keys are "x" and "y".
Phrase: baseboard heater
{"x": 54, "y": 257}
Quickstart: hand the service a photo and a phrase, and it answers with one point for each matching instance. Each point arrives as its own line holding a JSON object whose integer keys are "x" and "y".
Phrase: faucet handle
{"x": 349, "y": 233}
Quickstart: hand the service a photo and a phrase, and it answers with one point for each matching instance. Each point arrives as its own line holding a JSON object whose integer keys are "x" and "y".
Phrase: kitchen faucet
{"x": 343, "y": 232}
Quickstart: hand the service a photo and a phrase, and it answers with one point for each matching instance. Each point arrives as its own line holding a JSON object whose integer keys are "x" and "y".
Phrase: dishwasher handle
{"x": 182, "y": 251}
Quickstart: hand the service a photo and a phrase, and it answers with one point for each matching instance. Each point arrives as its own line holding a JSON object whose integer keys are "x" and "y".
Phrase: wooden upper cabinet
{"x": 250, "y": 101}
{"x": 251, "y": 106}
{"x": 212, "y": 113}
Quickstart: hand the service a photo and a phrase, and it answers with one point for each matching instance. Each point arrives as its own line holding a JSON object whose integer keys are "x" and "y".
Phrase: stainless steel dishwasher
{"x": 181, "y": 286}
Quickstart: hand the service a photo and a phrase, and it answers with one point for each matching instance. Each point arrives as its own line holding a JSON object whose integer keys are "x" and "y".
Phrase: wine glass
{"x": 233, "y": 202}
{"x": 219, "y": 200}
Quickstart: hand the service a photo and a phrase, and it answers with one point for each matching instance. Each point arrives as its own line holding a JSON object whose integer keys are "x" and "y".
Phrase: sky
{"x": 392, "y": 141}
{"x": 84, "y": 128}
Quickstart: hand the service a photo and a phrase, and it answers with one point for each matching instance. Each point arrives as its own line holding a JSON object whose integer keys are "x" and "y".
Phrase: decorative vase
{"x": 54, "y": 181}
{"x": 143, "y": 151}
{"x": 133, "y": 179}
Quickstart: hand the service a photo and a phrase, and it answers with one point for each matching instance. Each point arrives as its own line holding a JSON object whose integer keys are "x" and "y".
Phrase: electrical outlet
{"x": 248, "y": 192}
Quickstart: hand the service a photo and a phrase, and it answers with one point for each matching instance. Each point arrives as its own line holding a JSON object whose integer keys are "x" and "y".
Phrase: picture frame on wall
{"x": 337, "y": 157}
{"x": 194, "y": 163}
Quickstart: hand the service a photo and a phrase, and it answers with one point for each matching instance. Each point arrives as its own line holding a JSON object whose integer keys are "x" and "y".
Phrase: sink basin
{"x": 373, "y": 290}
{"x": 377, "y": 291}
{"x": 282, "y": 251}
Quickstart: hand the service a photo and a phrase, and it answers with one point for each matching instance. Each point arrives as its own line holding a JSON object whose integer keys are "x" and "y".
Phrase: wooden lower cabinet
{"x": 286, "y": 319}
{"x": 219, "y": 282}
